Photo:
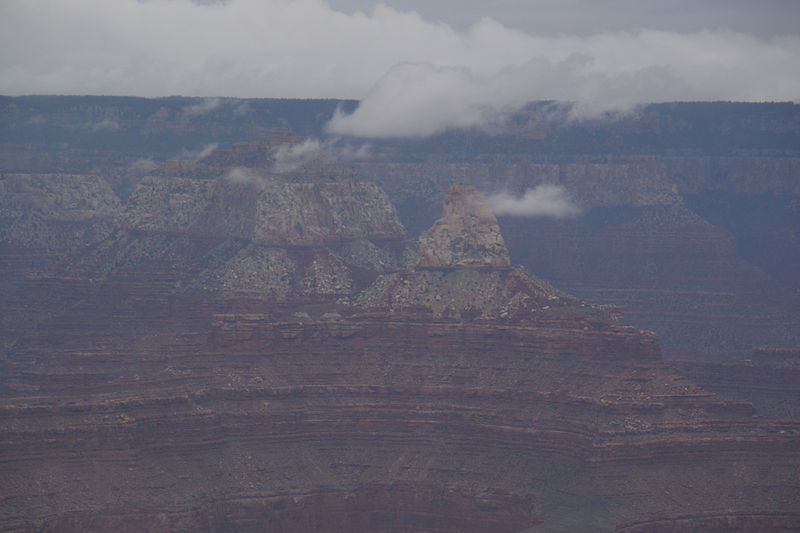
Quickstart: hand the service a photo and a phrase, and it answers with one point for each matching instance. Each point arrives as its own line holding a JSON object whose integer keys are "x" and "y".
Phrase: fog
{"x": 417, "y": 74}
{"x": 541, "y": 201}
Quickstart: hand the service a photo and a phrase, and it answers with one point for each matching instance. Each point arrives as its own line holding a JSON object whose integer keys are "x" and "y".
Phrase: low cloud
{"x": 414, "y": 76}
{"x": 243, "y": 175}
{"x": 107, "y": 124}
{"x": 290, "y": 157}
{"x": 197, "y": 155}
{"x": 420, "y": 99}
{"x": 243, "y": 109}
{"x": 143, "y": 165}
{"x": 348, "y": 151}
{"x": 541, "y": 201}
{"x": 206, "y": 105}
{"x": 606, "y": 74}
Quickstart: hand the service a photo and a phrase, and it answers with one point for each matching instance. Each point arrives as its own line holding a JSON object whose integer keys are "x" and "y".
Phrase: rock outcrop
{"x": 279, "y": 239}
{"x": 467, "y": 234}
{"x": 277, "y": 213}
{"x": 54, "y": 211}
{"x": 195, "y": 386}
{"x": 689, "y": 209}
{"x": 274, "y": 354}
{"x": 462, "y": 269}
{"x": 769, "y": 378}
{"x": 690, "y": 247}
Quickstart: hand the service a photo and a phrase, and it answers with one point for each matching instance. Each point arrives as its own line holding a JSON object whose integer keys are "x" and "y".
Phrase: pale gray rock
{"x": 467, "y": 234}
{"x": 256, "y": 269}
{"x": 55, "y": 211}
{"x": 279, "y": 213}
{"x": 167, "y": 204}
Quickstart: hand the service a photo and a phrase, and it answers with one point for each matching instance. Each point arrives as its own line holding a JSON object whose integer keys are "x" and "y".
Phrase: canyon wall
{"x": 211, "y": 345}
{"x": 702, "y": 250}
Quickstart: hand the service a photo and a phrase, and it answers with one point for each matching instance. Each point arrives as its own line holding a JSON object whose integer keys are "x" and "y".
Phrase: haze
{"x": 419, "y": 68}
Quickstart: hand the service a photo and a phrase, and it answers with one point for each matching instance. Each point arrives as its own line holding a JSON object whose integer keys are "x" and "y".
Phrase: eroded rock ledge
{"x": 467, "y": 234}
{"x": 207, "y": 368}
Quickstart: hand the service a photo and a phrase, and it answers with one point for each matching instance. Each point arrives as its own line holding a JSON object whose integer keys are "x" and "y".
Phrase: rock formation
{"x": 769, "y": 378}
{"x": 197, "y": 372}
{"x": 690, "y": 247}
{"x": 689, "y": 209}
{"x": 462, "y": 269}
{"x": 467, "y": 234}
{"x": 207, "y": 350}
{"x": 54, "y": 212}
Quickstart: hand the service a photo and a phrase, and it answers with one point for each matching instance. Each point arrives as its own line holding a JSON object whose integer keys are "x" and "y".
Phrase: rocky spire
{"x": 467, "y": 234}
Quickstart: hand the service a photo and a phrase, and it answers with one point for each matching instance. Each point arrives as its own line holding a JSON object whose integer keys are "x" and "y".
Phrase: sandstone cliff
{"x": 274, "y": 353}
{"x": 467, "y": 234}
{"x": 713, "y": 270}
{"x": 54, "y": 211}
{"x": 703, "y": 250}
{"x": 473, "y": 398}
{"x": 462, "y": 269}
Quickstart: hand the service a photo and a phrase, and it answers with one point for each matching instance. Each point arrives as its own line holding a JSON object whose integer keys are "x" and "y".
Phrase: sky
{"x": 418, "y": 67}
{"x": 765, "y": 18}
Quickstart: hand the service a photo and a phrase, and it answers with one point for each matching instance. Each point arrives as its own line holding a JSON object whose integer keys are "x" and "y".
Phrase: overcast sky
{"x": 764, "y": 18}
{"x": 418, "y": 66}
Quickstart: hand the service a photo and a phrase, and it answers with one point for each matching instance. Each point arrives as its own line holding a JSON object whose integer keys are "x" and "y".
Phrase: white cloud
{"x": 198, "y": 155}
{"x": 603, "y": 73}
{"x": 419, "y": 99}
{"x": 143, "y": 165}
{"x": 541, "y": 201}
{"x": 346, "y": 150}
{"x": 206, "y": 105}
{"x": 290, "y": 157}
{"x": 243, "y": 175}
{"x": 242, "y": 110}
{"x": 436, "y": 77}
{"x": 107, "y": 124}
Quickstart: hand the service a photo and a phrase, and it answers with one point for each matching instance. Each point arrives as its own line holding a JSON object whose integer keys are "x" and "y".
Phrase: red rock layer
{"x": 139, "y": 409}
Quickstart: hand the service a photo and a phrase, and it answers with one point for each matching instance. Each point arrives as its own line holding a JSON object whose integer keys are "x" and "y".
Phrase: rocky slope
{"x": 769, "y": 378}
{"x": 467, "y": 234}
{"x": 211, "y": 366}
{"x": 689, "y": 210}
{"x": 703, "y": 250}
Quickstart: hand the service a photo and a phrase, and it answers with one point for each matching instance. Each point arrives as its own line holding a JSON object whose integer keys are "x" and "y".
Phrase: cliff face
{"x": 80, "y": 133}
{"x": 299, "y": 214}
{"x": 41, "y": 217}
{"x": 54, "y": 211}
{"x": 689, "y": 211}
{"x": 702, "y": 250}
{"x": 193, "y": 371}
{"x": 769, "y": 378}
{"x": 286, "y": 240}
{"x": 467, "y": 234}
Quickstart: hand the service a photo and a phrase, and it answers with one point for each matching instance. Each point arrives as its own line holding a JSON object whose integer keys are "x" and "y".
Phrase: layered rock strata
{"x": 689, "y": 210}
{"x": 466, "y": 235}
{"x": 703, "y": 250}
{"x": 54, "y": 212}
{"x": 160, "y": 402}
{"x": 769, "y": 378}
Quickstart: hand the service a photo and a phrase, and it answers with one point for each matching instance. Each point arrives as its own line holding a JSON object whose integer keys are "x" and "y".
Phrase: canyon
{"x": 688, "y": 211}
{"x": 207, "y": 344}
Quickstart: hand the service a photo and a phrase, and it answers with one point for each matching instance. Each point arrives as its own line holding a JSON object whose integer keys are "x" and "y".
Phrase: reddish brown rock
{"x": 136, "y": 404}
{"x": 256, "y": 357}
